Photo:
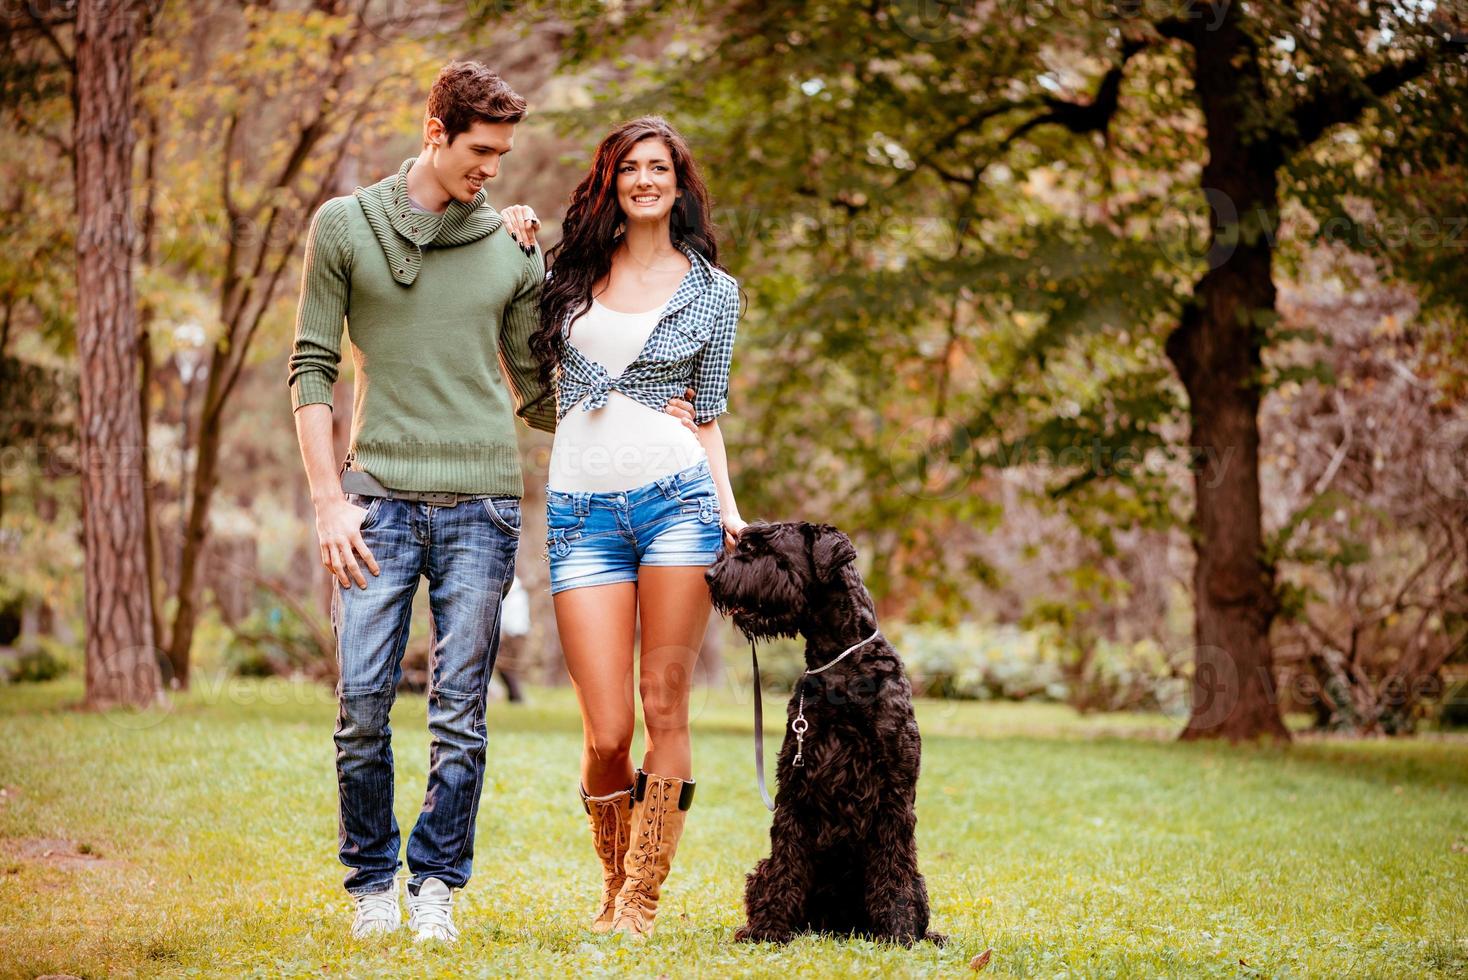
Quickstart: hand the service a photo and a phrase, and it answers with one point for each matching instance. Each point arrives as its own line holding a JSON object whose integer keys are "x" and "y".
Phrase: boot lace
{"x": 609, "y": 831}
{"x": 611, "y": 841}
{"x": 637, "y": 893}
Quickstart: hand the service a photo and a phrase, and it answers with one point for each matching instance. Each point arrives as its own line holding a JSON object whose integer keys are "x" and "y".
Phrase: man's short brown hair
{"x": 466, "y": 92}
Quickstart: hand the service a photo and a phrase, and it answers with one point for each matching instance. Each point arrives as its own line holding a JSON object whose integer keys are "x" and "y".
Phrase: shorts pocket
{"x": 562, "y": 524}
{"x": 562, "y": 517}
{"x": 697, "y": 490}
{"x": 706, "y": 507}
{"x": 558, "y": 542}
{"x": 505, "y": 513}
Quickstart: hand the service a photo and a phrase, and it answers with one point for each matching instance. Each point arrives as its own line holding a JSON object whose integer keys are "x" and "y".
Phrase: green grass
{"x": 202, "y": 840}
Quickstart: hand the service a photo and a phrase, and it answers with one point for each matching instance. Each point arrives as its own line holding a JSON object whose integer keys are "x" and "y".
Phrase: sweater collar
{"x": 402, "y": 230}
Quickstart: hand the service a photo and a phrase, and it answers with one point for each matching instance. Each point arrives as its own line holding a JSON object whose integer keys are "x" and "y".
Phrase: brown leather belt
{"x": 364, "y": 483}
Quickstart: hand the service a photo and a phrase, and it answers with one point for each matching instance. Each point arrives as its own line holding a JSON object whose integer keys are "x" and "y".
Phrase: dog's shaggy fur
{"x": 842, "y": 854}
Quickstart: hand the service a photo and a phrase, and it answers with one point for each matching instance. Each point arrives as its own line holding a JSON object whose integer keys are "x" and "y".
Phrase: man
{"x": 439, "y": 298}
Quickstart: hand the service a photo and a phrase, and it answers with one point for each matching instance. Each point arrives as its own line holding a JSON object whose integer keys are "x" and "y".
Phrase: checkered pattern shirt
{"x": 690, "y": 347}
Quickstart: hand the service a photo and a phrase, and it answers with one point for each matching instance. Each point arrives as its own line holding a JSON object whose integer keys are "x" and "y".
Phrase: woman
{"x": 634, "y": 311}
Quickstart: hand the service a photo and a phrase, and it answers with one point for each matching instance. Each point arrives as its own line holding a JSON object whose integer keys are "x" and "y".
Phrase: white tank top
{"x": 624, "y": 444}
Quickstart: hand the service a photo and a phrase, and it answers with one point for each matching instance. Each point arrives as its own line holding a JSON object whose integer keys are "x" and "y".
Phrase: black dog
{"x": 842, "y": 854}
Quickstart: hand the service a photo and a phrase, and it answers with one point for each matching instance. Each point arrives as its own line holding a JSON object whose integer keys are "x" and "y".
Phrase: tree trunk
{"x": 145, "y": 387}
{"x": 1216, "y": 350}
{"x": 201, "y": 494}
{"x": 252, "y": 272}
{"x": 122, "y": 665}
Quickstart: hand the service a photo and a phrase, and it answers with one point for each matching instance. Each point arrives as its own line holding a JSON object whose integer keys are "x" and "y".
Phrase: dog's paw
{"x": 910, "y": 939}
{"x": 749, "y": 934}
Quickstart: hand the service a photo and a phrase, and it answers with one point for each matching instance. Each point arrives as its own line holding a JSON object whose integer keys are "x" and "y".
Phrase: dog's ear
{"x": 829, "y": 550}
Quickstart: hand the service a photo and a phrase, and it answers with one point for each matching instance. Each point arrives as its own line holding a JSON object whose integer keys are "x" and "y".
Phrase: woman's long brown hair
{"x": 594, "y": 226}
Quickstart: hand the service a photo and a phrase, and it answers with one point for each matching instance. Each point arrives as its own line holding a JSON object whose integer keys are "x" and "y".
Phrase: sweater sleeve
{"x": 535, "y": 402}
{"x": 325, "y": 296}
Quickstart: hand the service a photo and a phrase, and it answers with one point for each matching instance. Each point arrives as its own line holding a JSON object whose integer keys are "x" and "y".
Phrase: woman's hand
{"x": 733, "y": 524}
{"x": 522, "y": 223}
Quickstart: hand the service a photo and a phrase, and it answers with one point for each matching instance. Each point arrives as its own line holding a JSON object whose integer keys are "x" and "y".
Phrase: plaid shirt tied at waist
{"x": 690, "y": 346}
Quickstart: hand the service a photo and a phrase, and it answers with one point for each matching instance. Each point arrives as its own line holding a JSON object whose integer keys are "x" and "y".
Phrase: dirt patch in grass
{"x": 55, "y": 852}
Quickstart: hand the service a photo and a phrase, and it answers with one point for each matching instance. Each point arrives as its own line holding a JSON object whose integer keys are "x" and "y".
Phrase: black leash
{"x": 759, "y": 732}
{"x": 799, "y": 726}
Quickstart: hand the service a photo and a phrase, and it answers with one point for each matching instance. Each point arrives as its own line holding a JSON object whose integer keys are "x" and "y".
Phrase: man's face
{"x": 463, "y": 166}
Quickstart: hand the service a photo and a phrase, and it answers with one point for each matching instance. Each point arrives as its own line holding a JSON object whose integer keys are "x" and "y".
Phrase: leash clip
{"x": 800, "y": 726}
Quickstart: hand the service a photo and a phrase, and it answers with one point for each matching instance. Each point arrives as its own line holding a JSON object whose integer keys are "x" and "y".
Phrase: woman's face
{"x": 646, "y": 183}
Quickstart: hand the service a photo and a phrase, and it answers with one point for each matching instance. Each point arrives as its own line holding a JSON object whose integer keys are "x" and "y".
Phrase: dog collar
{"x": 844, "y": 653}
{"x": 800, "y": 726}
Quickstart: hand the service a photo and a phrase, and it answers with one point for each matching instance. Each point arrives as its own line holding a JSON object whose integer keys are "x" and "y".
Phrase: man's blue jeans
{"x": 467, "y": 553}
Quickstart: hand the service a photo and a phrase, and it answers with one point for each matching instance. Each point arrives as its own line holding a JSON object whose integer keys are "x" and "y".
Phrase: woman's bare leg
{"x": 596, "y": 624}
{"x": 674, "y": 607}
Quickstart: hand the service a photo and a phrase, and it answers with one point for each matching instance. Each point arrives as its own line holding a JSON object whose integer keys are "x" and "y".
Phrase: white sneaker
{"x": 377, "y": 913}
{"x": 430, "y": 913}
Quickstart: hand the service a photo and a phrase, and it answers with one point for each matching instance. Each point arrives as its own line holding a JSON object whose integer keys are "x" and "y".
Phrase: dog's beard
{"x": 762, "y": 598}
{"x": 762, "y": 624}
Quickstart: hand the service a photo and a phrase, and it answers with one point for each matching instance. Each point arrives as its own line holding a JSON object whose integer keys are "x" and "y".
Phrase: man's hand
{"x": 522, "y": 223}
{"x": 339, "y": 530}
{"x": 682, "y": 410}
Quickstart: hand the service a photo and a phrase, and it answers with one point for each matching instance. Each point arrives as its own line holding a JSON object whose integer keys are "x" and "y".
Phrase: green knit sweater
{"x": 436, "y": 306}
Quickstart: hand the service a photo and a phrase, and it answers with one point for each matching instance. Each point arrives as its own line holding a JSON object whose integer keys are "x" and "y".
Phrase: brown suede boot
{"x": 610, "y": 817}
{"x": 659, "y": 807}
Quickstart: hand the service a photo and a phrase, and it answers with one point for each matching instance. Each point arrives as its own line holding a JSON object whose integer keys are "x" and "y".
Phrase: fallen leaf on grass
{"x": 980, "y": 961}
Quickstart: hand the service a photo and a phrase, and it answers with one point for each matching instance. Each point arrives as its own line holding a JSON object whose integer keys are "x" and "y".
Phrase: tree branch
{"x": 1179, "y": 28}
{"x": 267, "y": 294}
{"x": 950, "y": 138}
{"x": 237, "y": 299}
{"x": 44, "y": 29}
{"x": 1077, "y": 117}
{"x": 226, "y": 183}
{"x": 1345, "y": 100}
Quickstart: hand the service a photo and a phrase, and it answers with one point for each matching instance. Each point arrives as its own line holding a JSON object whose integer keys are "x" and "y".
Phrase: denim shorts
{"x": 602, "y": 538}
